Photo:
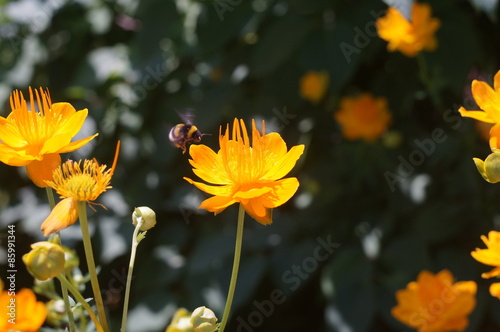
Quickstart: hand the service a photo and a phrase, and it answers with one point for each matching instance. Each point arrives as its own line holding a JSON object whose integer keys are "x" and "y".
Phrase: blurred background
{"x": 368, "y": 216}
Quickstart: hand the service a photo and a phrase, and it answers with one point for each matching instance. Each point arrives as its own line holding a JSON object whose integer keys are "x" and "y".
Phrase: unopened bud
{"x": 45, "y": 260}
{"x": 203, "y": 320}
{"x": 147, "y": 215}
{"x": 490, "y": 167}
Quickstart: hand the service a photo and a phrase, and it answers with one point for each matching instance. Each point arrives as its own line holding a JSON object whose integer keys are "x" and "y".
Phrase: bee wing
{"x": 187, "y": 115}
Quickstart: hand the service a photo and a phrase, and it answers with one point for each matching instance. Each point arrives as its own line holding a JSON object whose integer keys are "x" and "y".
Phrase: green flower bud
{"x": 490, "y": 167}
{"x": 45, "y": 260}
{"x": 203, "y": 320}
{"x": 181, "y": 322}
{"x": 147, "y": 215}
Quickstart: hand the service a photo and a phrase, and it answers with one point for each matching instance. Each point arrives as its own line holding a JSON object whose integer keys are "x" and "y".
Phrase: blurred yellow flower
{"x": 363, "y": 116}
{"x": 35, "y": 139}
{"x": 488, "y": 99}
{"x": 434, "y": 303}
{"x": 246, "y": 171}
{"x": 21, "y": 312}
{"x": 490, "y": 256}
{"x": 313, "y": 86}
{"x": 181, "y": 322}
{"x": 75, "y": 184}
{"x": 409, "y": 37}
{"x": 495, "y": 290}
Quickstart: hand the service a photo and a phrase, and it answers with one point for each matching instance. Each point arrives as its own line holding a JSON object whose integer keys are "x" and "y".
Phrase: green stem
{"x": 81, "y": 300}
{"x": 135, "y": 243}
{"x": 426, "y": 79}
{"x": 87, "y": 245}
{"x": 236, "y": 264}
{"x": 65, "y": 295}
{"x": 50, "y": 197}
{"x": 64, "y": 290}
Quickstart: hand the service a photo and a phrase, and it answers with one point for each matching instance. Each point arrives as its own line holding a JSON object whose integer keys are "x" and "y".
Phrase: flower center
{"x": 82, "y": 186}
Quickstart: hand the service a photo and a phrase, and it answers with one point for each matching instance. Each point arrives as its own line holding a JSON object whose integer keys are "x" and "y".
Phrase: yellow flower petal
{"x": 256, "y": 209}
{"x": 284, "y": 165}
{"x": 487, "y": 99}
{"x": 212, "y": 190}
{"x": 478, "y": 115}
{"x": 217, "y": 203}
{"x": 76, "y": 144}
{"x": 13, "y": 157}
{"x": 10, "y": 135}
{"x": 207, "y": 165}
{"x": 63, "y": 215}
{"x": 41, "y": 171}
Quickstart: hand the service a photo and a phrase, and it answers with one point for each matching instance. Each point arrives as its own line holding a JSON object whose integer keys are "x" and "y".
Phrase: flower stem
{"x": 50, "y": 197}
{"x": 64, "y": 289}
{"x": 135, "y": 243}
{"x": 87, "y": 245}
{"x": 236, "y": 264}
{"x": 82, "y": 301}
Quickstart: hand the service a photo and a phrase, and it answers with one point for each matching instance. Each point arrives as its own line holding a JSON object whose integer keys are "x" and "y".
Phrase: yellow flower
{"x": 488, "y": 100}
{"x": 35, "y": 139}
{"x": 490, "y": 256}
{"x": 363, "y": 117}
{"x": 21, "y": 312}
{"x": 75, "y": 184}
{"x": 434, "y": 303}
{"x": 409, "y": 37}
{"x": 313, "y": 86}
{"x": 246, "y": 173}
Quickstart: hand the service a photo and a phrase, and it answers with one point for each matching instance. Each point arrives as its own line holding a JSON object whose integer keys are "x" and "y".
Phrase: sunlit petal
{"x": 63, "y": 215}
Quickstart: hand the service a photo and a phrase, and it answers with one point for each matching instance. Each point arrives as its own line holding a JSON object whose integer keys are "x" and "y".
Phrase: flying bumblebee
{"x": 185, "y": 133}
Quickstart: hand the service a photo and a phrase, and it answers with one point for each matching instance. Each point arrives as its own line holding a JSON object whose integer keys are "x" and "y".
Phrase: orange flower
{"x": 363, "y": 117}
{"x": 76, "y": 184}
{"x": 434, "y": 303}
{"x": 35, "y": 139}
{"x": 490, "y": 256}
{"x": 21, "y": 312}
{"x": 409, "y": 37}
{"x": 250, "y": 174}
{"x": 488, "y": 100}
{"x": 313, "y": 86}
